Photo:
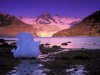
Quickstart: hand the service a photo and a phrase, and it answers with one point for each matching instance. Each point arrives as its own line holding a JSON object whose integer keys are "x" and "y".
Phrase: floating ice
{"x": 26, "y": 46}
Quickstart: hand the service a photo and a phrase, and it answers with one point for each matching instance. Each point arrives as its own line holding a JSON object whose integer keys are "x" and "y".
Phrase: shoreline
{"x": 57, "y": 61}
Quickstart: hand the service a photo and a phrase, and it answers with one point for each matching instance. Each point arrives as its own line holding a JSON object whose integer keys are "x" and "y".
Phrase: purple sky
{"x": 33, "y": 8}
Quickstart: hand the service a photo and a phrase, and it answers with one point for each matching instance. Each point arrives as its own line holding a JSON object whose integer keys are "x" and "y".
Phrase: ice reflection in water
{"x": 76, "y": 70}
{"x": 27, "y": 67}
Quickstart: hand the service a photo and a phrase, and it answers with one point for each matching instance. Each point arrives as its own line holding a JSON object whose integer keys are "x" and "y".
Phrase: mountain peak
{"x": 46, "y": 14}
{"x": 45, "y": 18}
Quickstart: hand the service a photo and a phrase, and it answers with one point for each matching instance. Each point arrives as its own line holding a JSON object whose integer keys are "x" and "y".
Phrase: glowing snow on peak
{"x": 27, "y": 20}
{"x": 58, "y": 20}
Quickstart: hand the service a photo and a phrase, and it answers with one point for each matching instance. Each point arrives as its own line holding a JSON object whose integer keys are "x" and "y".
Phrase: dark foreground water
{"x": 80, "y": 62}
{"x": 30, "y": 67}
{"x": 27, "y": 67}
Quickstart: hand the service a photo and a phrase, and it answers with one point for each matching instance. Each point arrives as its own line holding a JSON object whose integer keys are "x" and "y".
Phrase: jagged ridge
{"x": 45, "y": 18}
{"x": 90, "y": 26}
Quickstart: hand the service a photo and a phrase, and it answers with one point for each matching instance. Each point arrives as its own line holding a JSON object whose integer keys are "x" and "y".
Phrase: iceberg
{"x": 26, "y": 46}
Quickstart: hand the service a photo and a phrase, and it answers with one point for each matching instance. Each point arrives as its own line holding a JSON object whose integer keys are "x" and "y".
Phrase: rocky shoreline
{"x": 55, "y": 61}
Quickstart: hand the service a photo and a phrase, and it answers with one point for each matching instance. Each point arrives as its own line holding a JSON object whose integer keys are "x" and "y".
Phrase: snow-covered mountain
{"x": 27, "y": 20}
{"x": 65, "y": 20}
{"x": 89, "y": 26}
{"x": 46, "y": 25}
{"x": 46, "y": 18}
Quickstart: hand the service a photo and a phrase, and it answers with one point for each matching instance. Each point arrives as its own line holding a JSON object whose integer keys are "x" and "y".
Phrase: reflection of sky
{"x": 28, "y": 67}
{"x": 77, "y": 42}
{"x": 32, "y": 8}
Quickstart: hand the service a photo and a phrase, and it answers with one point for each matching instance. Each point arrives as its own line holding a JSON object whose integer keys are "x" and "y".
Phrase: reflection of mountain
{"x": 90, "y": 26}
{"x": 10, "y": 26}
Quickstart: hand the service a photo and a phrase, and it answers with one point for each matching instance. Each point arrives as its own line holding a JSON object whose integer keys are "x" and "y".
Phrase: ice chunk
{"x": 26, "y": 46}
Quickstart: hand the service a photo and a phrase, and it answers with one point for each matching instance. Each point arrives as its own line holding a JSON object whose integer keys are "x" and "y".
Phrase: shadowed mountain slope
{"x": 89, "y": 26}
{"x": 11, "y": 25}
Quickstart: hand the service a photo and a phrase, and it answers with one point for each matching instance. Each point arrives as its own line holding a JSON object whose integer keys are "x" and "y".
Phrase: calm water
{"x": 76, "y": 42}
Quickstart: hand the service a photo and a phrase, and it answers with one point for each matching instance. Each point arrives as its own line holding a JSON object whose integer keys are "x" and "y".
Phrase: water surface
{"x": 76, "y": 42}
